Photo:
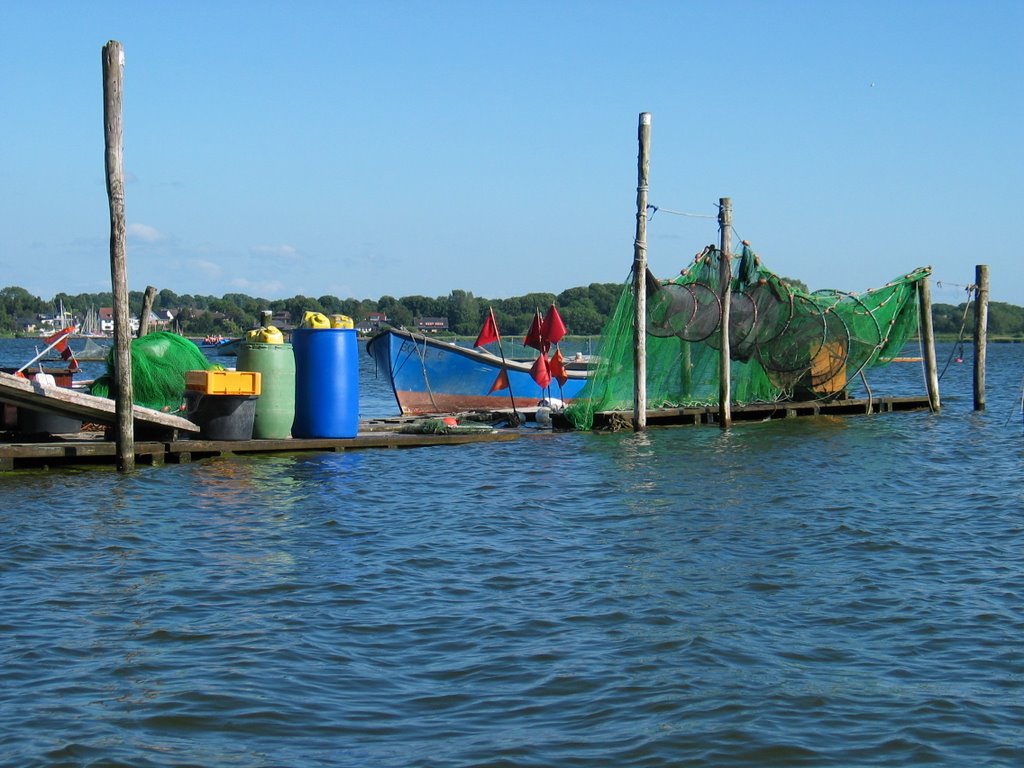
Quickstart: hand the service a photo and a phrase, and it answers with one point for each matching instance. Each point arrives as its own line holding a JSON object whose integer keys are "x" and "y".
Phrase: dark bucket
{"x": 222, "y": 417}
{"x": 40, "y": 423}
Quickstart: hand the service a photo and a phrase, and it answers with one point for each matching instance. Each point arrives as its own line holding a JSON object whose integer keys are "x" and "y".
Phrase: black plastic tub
{"x": 222, "y": 417}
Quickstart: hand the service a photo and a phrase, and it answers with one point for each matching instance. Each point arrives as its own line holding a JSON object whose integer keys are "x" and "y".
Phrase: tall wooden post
{"x": 147, "y": 309}
{"x": 980, "y": 333}
{"x": 640, "y": 278}
{"x": 931, "y": 376}
{"x": 113, "y": 76}
{"x": 725, "y": 284}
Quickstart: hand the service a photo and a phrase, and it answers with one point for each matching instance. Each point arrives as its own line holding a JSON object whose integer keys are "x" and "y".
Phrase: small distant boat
{"x": 429, "y": 376}
{"x": 220, "y": 347}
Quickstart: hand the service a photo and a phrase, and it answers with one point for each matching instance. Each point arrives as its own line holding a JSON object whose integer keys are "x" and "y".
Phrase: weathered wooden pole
{"x": 725, "y": 283}
{"x": 147, "y": 308}
{"x": 931, "y": 376}
{"x": 980, "y": 333}
{"x": 113, "y": 76}
{"x": 640, "y": 278}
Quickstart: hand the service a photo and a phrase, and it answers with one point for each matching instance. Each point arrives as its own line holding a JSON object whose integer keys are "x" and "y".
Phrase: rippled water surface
{"x": 822, "y": 591}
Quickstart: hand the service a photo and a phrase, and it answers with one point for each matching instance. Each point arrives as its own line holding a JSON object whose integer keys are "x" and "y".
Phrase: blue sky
{"x": 362, "y": 149}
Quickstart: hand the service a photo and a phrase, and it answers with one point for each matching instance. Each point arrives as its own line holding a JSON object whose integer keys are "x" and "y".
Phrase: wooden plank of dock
{"x": 74, "y": 450}
{"x": 187, "y": 450}
{"x": 91, "y": 448}
{"x": 708, "y": 415}
{"x": 79, "y": 405}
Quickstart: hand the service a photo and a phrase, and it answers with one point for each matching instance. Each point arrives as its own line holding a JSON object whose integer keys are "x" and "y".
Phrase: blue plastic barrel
{"x": 326, "y": 382}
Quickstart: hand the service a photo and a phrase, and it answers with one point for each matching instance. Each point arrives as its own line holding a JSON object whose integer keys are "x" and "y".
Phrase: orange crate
{"x": 223, "y": 382}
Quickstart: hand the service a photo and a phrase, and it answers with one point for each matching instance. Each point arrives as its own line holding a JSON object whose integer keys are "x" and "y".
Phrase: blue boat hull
{"x": 430, "y": 376}
{"x": 225, "y": 348}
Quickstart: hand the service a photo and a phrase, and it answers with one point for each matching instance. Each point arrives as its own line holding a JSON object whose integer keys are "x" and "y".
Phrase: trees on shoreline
{"x": 584, "y": 310}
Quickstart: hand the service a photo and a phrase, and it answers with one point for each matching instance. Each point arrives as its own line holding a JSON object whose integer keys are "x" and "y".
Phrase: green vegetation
{"x": 584, "y": 310}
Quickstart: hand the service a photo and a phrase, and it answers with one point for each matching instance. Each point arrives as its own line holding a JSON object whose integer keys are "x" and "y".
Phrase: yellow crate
{"x": 223, "y": 382}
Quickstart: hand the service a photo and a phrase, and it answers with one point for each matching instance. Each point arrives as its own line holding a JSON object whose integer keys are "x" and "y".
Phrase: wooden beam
{"x": 113, "y": 77}
{"x": 640, "y": 277}
{"x": 725, "y": 284}
{"x": 931, "y": 376}
{"x": 980, "y": 333}
{"x": 68, "y": 402}
{"x": 147, "y": 310}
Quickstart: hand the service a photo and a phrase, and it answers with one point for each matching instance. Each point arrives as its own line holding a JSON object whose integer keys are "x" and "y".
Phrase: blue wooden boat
{"x": 220, "y": 347}
{"x": 430, "y": 376}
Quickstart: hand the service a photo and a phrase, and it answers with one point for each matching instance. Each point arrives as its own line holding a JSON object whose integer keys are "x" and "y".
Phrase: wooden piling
{"x": 113, "y": 77}
{"x": 640, "y": 277}
{"x": 725, "y": 284}
{"x": 931, "y": 376}
{"x": 147, "y": 308}
{"x": 980, "y": 333}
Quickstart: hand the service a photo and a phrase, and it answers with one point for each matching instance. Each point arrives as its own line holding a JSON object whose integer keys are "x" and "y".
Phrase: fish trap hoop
{"x": 691, "y": 311}
{"x": 803, "y": 338}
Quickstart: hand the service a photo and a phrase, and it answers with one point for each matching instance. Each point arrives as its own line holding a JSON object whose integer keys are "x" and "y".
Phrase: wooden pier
{"x": 709, "y": 415}
{"x": 90, "y": 448}
{"x": 163, "y": 438}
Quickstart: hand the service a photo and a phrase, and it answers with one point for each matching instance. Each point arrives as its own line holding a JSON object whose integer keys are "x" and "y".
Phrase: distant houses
{"x": 376, "y": 320}
{"x": 159, "y": 320}
{"x": 106, "y": 320}
{"x": 372, "y": 323}
{"x": 162, "y": 318}
{"x": 46, "y": 324}
{"x": 431, "y": 324}
{"x": 101, "y": 321}
{"x": 282, "y": 320}
{"x": 106, "y": 315}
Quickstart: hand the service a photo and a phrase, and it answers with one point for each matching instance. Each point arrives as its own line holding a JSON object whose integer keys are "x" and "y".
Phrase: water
{"x": 817, "y": 591}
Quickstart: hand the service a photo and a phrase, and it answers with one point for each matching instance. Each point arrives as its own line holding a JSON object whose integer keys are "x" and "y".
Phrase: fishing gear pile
{"x": 785, "y": 344}
{"x": 160, "y": 361}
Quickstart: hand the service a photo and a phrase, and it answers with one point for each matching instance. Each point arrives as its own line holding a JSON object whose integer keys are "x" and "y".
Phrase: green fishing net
{"x": 159, "y": 363}
{"x": 784, "y": 343}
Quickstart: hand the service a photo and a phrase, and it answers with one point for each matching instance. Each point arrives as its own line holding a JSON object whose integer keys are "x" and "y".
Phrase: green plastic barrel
{"x": 275, "y": 407}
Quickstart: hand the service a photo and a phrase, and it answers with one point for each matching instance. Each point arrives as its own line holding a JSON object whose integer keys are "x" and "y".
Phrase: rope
{"x": 871, "y": 398}
{"x": 654, "y": 209}
{"x": 423, "y": 367}
{"x": 943, "y": 283}
{"x": 960, "y": 336}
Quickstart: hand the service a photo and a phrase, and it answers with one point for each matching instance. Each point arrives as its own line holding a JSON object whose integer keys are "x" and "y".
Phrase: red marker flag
{"x": 552, "y": 329}
{"x": 557, "y": 368}
{"x": 501, "y": 382}
{"x": 489, "y": 333}
{"x": 61, "y": 339}
{"x": 534, "y": 337}
{"x": 540, "y": 371}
